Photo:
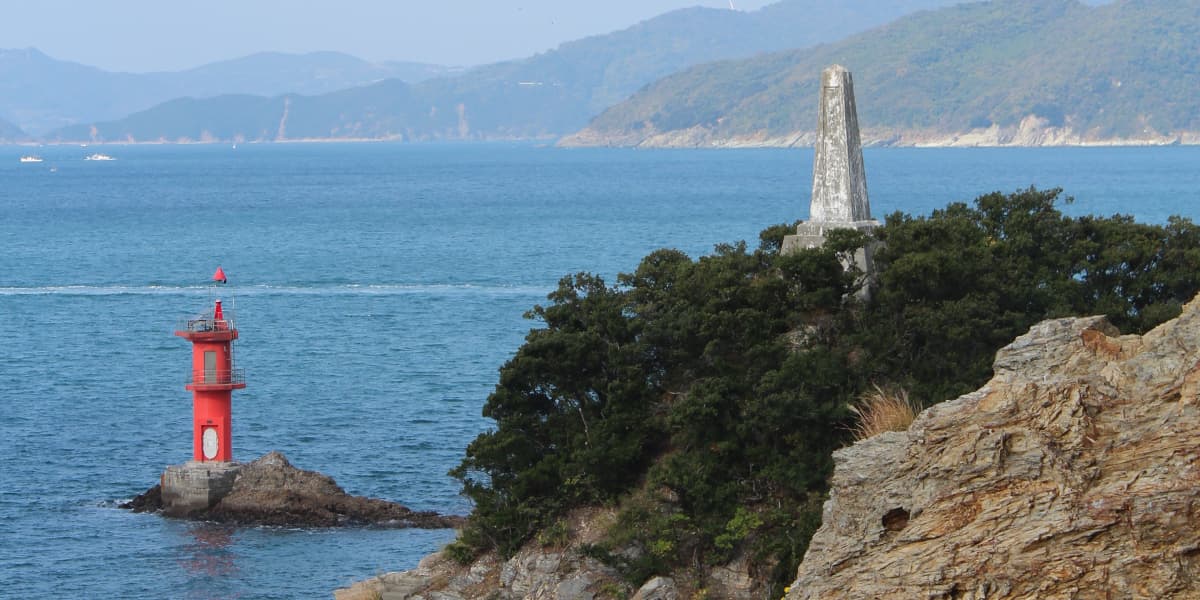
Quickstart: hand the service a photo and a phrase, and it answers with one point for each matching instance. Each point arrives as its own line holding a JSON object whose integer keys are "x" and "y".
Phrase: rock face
{"x": 559, "y": 571}
{"x": 1074, "y": 473}
{"x": 270, "y": 491}
{"x": 536, "y": 572}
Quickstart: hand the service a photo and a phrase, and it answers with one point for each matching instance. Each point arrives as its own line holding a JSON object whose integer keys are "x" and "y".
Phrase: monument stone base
{"x": 812, "y": 235}
{"x": 196, "y": 486}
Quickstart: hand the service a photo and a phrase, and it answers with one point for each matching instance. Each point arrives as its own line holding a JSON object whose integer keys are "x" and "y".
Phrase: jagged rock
{"x": 270, "y": 491}
{"x": 533, "y": 573}
{"x": 147, "y": 501}
{"x": 530, "y": 575}
{"x": 658, "y": 588}
{"x": 558, "y": 572}
{"x": 735, "y": 580}
{"x": 1073, "y": 473}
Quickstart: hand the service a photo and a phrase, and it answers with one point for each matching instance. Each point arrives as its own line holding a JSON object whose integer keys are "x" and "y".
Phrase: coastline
{"x": 314, "y": 140}
{"x": 1032, "y": 133}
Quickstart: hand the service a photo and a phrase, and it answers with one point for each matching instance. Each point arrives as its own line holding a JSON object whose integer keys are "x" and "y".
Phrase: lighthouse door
{"x": 210, "y": 443}
{"x": 210, "y": 366}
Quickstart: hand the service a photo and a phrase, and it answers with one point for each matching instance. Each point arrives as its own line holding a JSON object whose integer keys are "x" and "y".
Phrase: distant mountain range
{"x": 39, "y": 93}
{"x": 11, "y": 133}
{"x": 1022, "y": 72}
{"x": 547, "y": 95}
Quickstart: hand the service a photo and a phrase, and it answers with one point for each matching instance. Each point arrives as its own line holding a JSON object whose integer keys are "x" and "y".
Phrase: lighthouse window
{"x": 210, "y": 366}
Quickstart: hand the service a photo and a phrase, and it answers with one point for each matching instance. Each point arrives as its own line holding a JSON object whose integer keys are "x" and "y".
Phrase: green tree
{"x": 705, "y": 397}
{"x": 572, "y": 412}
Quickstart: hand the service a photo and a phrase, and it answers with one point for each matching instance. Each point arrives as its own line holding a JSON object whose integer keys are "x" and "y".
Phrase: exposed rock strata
{"x": 1074, "y": 473}
{"x": 270, "y": 491}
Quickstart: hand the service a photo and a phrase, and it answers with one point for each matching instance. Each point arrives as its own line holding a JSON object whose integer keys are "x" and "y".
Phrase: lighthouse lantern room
{"x": 212, "y": 381}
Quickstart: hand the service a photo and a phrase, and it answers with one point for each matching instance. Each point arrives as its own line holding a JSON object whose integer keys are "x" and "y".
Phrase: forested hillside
{"x": 1125, "y": 70}
{"x": 40, "y": 93}
{"x": 550, "y": 94}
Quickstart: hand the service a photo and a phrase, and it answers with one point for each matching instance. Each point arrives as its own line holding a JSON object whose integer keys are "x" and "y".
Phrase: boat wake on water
{"x": 278, "y": 290}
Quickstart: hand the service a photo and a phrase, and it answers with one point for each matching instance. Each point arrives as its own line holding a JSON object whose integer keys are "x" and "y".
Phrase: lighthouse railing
{"x": 218, "y": 376}
{"x": 206, "y": 323}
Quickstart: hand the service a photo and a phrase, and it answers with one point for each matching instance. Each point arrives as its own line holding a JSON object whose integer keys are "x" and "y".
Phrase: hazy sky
{"x": 148, "y": 35}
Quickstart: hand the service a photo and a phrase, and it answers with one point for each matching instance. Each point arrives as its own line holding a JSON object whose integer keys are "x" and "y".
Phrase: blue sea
{"x": 378, "y": 288}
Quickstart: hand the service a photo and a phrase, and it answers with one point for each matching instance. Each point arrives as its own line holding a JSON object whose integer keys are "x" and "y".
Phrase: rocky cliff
{"x": 1072, "y": 474}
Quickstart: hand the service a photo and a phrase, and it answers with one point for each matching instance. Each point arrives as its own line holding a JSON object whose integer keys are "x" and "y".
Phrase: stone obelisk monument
{"x": 839, "y": 191}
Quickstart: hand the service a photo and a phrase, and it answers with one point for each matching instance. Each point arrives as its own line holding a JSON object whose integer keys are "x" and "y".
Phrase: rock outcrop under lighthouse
{"x": 270, "y": 491}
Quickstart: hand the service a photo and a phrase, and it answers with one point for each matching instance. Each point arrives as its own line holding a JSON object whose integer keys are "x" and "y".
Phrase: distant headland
{"x": 940, "y": 73}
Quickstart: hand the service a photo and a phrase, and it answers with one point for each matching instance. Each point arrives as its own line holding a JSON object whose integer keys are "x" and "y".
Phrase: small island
{"x": 270, "y": 491}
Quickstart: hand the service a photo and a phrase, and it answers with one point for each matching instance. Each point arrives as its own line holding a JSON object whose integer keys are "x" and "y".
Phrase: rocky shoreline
{"x": 1072, "y": 473}
{"x": 1031, "y": 132}
{"x": 270, "y": 491}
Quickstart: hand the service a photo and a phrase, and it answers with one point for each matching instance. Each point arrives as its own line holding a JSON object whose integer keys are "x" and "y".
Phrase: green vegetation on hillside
{"x": 1125, "y": 69}
{"x": 41, "y": 94}
{"x": 549, "y": 94}
{"x": 703, "y": 398}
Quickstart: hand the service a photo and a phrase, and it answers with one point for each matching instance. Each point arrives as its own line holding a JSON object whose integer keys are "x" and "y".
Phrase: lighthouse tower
{"x": 212, "y": 381}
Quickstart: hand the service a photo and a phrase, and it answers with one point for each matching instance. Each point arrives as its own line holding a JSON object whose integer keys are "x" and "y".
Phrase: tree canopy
{"x": 704, "y": 397}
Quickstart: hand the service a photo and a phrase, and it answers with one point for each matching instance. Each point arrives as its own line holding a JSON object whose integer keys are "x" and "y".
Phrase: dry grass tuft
{"x": 881, "y": 410}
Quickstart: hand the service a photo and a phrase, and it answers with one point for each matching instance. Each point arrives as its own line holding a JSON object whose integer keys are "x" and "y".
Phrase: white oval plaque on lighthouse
{"x": 209, "y": 441}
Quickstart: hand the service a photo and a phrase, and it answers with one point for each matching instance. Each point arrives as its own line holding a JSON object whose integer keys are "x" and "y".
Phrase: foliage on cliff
{"x": 1123, "y": 69}
{"x": 704, "y": 397}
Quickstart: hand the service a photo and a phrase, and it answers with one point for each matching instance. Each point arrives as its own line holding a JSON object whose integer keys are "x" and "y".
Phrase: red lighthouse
{"x": 213, "y": 380}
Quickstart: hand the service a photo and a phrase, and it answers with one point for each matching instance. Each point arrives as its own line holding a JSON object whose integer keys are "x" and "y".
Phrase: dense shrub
{"x": 717, "y": 388}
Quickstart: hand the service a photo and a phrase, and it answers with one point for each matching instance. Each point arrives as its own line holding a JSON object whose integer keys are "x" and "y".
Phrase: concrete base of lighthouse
{"x": 195, "y": 487}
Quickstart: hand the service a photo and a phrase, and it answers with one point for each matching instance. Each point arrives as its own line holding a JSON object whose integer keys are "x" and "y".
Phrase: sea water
{"x": 377, "y": 288}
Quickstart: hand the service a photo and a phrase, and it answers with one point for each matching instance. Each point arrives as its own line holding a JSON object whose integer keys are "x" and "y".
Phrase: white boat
{"x": 98, "y": 157}
{"x": 31, "y": 159}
